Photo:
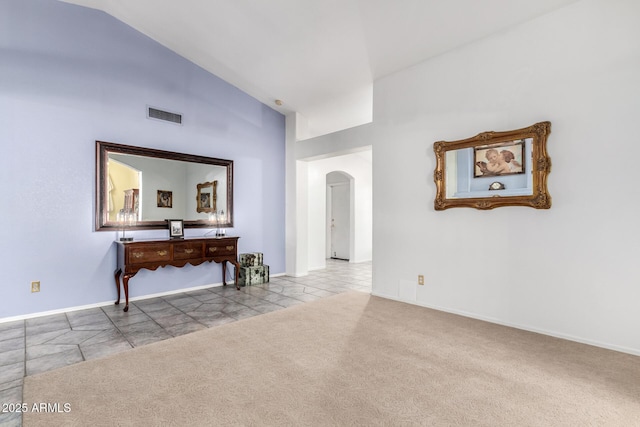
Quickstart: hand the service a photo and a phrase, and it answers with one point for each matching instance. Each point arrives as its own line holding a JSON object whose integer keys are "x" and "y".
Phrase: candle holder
{"x": 219, "y": 231}
{"x": 126, "y": 219}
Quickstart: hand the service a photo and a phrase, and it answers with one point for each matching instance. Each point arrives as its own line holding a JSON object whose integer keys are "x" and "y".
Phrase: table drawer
{"x": 220, "y": 249}
{"x": 149, "y": 253}
{"x": 187, "y": 251}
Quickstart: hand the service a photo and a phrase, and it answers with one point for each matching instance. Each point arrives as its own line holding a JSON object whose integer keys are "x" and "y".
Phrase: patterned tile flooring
{"x": 32, "y": 346}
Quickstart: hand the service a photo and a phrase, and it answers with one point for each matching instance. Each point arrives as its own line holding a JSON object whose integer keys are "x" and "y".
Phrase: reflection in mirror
{"x": 494, "y": 169}
{"x": 489, "y": 165}
{"x": 207, "y": 197}
{"x": 155, "y": 185}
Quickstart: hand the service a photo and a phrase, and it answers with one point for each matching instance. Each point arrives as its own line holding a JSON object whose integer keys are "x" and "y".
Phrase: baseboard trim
{"x": 359, "y": 261}
{"x": 621, "y": 349}
{"x": 106, "y": 303}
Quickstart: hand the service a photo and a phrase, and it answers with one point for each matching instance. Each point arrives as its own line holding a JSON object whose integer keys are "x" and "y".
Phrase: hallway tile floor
{"x": 33, "y": 346}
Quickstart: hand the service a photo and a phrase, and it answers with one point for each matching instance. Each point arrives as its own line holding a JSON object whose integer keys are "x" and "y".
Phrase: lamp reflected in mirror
{"x": 126, "y": 219}
{"x": 218, "y": 218}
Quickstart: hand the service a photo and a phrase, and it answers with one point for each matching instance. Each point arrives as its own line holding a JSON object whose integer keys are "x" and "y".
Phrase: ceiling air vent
{"x": 167, "y": 116}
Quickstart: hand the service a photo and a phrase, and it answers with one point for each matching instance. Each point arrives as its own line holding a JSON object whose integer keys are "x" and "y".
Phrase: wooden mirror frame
{"x": 540, "y": 167}
{"x": 102, "y": 222}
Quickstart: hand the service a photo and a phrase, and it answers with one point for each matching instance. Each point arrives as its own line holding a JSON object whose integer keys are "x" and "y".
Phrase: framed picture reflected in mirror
{"x": 165, "y": 199}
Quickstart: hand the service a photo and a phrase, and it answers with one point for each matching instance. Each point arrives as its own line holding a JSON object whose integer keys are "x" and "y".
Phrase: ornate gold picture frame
{"x": 455, "y": 169}
{"x": 207, "y": 197}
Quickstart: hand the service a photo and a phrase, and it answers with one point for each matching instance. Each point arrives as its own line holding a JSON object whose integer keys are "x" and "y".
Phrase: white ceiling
{"x": 319, "y": 57}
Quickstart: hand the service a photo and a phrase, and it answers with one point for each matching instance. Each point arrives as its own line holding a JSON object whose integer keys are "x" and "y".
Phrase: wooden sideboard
{"x": 151, "y": 254}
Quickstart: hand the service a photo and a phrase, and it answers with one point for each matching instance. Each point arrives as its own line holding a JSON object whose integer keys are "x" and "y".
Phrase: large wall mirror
{"x": 140, "y": 188}
{"x": 494, "y": 169}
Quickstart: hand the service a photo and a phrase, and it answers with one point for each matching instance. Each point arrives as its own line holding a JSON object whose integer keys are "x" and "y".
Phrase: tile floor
{"x": 32, "y": 346}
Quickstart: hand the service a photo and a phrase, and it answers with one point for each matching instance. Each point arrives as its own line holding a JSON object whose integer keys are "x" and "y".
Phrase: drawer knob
{"x": 229, "y": 248}
{"x": 138, "y": 254}
{"x": 188, "y": 251}
{"x": 213, "y": 249}
{"x": 162, "y": 253}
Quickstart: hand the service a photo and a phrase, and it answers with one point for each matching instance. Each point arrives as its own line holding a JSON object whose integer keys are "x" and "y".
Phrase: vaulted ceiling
{"x": 320, "y": 58}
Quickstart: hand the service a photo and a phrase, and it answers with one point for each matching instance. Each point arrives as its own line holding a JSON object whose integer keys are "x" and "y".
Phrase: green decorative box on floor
{"x": 255, "y": 275}
{"x": 251, "y": 259}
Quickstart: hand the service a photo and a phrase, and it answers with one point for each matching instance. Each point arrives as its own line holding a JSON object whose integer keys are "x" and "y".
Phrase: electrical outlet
{"x": 35, "y": 286}
{"x": 420, "y": 279}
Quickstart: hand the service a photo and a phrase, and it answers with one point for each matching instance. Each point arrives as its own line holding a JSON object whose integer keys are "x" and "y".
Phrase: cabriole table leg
{"x": 125, "y": 285}
{"x": 117, "y": 274}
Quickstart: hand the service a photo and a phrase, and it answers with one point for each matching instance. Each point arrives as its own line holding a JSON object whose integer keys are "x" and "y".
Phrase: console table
{"x": 151, "y": 254}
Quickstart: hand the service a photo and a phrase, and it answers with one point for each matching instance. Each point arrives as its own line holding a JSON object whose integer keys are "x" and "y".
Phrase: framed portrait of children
{"x": 499, "y": 159}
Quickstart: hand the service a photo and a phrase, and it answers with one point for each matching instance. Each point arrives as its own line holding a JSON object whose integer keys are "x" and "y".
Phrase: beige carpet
{"x": 352, "y": 359}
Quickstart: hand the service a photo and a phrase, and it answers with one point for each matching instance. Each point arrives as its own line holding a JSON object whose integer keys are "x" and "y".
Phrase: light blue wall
{"x": 70, "y": 76}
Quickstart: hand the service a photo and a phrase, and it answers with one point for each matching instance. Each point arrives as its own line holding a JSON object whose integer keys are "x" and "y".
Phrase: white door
{"x": 340, "y": 226}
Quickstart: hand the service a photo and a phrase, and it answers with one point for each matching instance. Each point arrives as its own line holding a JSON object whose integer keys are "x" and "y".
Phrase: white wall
{"x": 570, "y": 271}
{"x": 357, "y": 165}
